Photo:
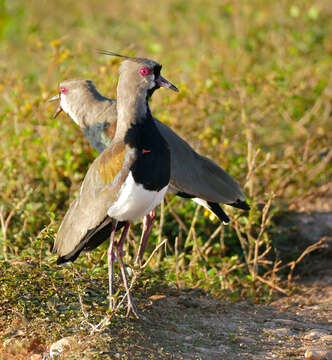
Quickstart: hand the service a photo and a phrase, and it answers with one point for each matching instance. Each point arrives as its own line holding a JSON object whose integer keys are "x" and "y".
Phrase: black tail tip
{"x": 240, "y": 205}
{"x": 61, "y": 260}
{"x": 219, "y": 212}
{"x": 70, "y": 257}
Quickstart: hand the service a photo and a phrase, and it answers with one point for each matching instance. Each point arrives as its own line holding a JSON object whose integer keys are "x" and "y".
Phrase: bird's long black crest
{"x": 136, "y": 59}
{"x": 111, "y": 53}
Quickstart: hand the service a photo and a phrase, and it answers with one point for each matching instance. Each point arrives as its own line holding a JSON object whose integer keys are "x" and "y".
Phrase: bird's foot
{"x": 131, "y": 307}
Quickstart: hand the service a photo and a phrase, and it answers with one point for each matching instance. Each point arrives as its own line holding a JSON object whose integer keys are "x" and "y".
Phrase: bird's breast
{"x": 152, "y": 167}
{"x": 134, "y": 201}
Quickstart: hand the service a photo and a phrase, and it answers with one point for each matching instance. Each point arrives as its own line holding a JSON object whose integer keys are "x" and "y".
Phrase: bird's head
{"x": 144, "y": 74}
{"x": 72, "y": 93}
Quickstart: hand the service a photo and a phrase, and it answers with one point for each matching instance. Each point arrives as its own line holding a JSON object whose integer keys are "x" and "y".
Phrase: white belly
{"x": 134, "y": 201}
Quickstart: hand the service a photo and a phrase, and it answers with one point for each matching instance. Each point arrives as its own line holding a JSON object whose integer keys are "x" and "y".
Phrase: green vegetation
{"x": 255, "y": 95}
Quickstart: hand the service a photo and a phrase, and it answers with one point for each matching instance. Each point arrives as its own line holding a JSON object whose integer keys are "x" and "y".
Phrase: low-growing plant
{"x": 255, "y": 96}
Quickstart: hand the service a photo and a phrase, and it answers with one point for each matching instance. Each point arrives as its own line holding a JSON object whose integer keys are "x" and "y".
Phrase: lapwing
{"x": 127, "y": 180}
{"x": 192, "y": 175}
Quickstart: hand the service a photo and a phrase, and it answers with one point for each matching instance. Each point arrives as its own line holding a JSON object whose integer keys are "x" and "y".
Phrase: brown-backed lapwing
{"x": 128, "y": 180}
{"x": 192, "y": 175}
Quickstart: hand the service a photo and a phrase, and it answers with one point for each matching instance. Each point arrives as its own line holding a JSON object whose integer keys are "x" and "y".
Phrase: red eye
{"x": 144, "y": 71}
{"x": 63, "y": 90}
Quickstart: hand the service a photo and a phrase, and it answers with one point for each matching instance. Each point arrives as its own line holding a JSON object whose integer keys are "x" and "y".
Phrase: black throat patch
{"x": 151, "y": 167}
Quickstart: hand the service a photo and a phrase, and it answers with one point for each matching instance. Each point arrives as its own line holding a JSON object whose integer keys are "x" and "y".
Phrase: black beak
{"x": 162, "y": 82}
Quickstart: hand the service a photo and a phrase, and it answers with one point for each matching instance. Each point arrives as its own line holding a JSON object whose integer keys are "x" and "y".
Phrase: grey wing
{"x": 197, "y": 175}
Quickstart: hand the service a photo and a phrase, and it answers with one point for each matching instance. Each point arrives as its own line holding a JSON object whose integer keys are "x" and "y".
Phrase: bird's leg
{"x": 147, "y": 226}
{"x": 110, "y": 258}
{"x": 119, "y": 254}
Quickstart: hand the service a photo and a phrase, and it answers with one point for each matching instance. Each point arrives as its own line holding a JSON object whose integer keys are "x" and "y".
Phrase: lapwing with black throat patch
{"x": 128, "y": 180}
{"x": 193, "y": 176}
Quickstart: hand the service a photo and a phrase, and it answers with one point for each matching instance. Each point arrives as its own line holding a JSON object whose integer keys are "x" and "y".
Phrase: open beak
{"x": 56, "y": 97}
{"x": 59, "y": 108}
{"x": 162, "y": 82}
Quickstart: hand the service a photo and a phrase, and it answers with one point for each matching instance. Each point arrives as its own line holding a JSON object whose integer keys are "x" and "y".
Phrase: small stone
{"x": 36, "y": 357}
{"x": 157, "y": 297}
{"x": 187, "y": 344}
{"x": 223, "y": 348}
{"x": 269, "y": 325}
{"x": 245, "y": 339}
{"x": 286, "y": 322}
{"x": 187, "y": 302}
{"x": 281, "y": 331}
{"x": 318, "y": 354}
{"x": 327, "y": 339}
{"x": 207, "y": 351}
{"x": 61, "y": 346}
{"x": 315, "y": 334}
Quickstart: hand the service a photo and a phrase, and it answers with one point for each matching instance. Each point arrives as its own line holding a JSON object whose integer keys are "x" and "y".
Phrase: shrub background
{"x": 255, "y": 96}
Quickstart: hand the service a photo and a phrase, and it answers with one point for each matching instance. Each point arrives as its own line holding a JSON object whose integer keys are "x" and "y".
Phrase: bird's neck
{"x": 96, "y": 136}
{"x": 94, "y": 116}
{"x": 132, "y": 109}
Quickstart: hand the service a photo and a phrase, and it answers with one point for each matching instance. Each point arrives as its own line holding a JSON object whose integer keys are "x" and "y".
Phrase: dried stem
{"x": 177, "y": 218}
{"x": 160, "y": 232}
{"x": 152, "y": 254}
{"x": 176, "y": 249}
{"x": 5, "y": 222}
{"x": 262, "y": 230}
{"x": 272, "y": 285}
{"x": 212, "y": 237}
{"x": 308, "y": 250}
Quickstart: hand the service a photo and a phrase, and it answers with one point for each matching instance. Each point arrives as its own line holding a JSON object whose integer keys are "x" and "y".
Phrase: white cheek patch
{"x": 153, "y": 83}
{"x": 66, "y": 108}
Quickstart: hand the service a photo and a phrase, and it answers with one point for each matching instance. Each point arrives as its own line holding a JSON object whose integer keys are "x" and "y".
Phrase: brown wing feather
{"x": 110, "y": 163}
{"x": 110, "y": 130}
{"x": 99, "y": 190}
